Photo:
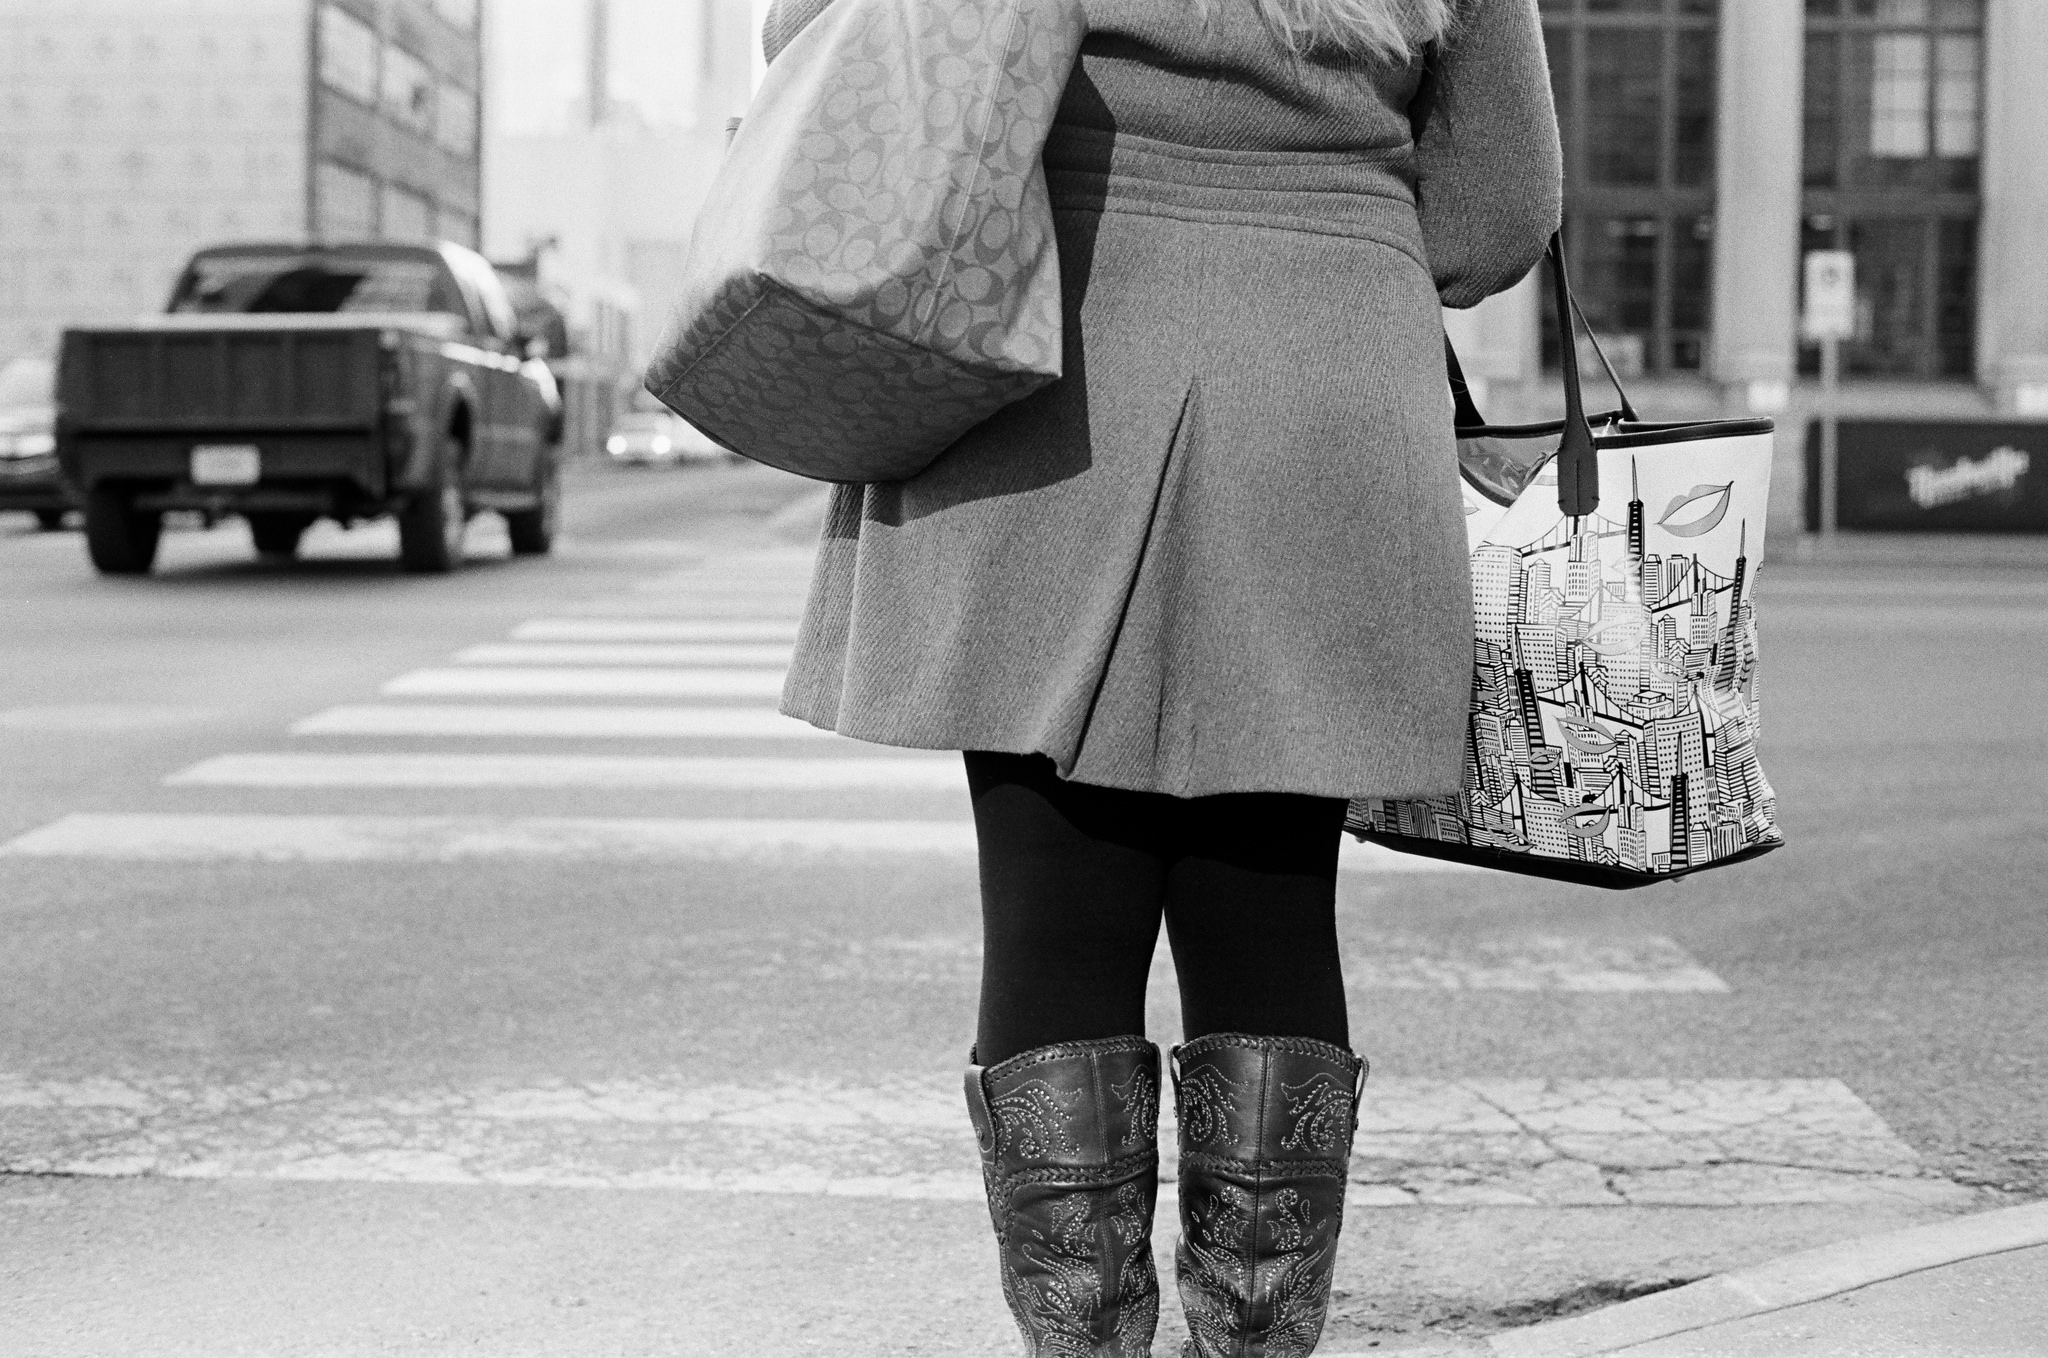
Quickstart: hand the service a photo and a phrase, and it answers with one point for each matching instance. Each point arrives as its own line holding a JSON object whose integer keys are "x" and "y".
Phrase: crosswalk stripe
{"x": 626, "y": 653}
{"x": 625, "y": 723}
{"x": 685, "y": 606}
{"x": 1647, "y": 964}
{"x": 730, "y": 587}
{"x": 568, "y": 682}
{"x": 608, "y": 629}
{"x": 1373, "y": 961}
{"x": 104, "y": 717}
{"x": 1427, "y": 1142}
{"x": 534, "y": 770}
{"x": 339, "y": 839}
{"x": 173, "y": 837}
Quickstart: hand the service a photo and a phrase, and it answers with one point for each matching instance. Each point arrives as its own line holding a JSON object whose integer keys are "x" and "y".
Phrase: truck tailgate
{"x": 141, "y": 380}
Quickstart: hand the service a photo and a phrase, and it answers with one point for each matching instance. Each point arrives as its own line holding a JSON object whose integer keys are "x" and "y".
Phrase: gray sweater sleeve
{"x": 1489, "y": 173}
{"x": 786, "y": 19}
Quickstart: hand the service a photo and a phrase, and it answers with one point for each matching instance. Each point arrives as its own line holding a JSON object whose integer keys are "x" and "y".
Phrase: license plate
{"x": 226, "y": 464}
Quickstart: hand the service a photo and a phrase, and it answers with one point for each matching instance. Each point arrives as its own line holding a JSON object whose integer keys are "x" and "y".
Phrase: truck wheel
{"x": 277, "y": 535}
{"x": 430, "y": 527}
{"x": 533, "y": 530}
{"x": 49, "y": 520}
{"x": 120, "y": 539}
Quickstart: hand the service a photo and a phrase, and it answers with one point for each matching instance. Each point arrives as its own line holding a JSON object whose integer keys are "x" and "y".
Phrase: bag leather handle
{"x": 1578, "y": 462}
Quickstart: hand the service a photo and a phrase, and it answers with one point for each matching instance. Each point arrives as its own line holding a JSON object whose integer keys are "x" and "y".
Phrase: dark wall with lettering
{"x": 1915, "y": 476}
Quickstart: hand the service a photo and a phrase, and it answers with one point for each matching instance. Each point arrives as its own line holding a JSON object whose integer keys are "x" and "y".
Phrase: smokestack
{"x": 707, "y": 49}
{"x": 599, "y": 79}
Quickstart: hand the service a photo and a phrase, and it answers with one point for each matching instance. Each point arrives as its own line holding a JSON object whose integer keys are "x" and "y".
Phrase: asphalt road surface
{"x": 477, "y": 964}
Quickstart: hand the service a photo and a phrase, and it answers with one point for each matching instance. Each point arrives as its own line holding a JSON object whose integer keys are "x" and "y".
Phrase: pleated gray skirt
{"x": 1226, "y": 551}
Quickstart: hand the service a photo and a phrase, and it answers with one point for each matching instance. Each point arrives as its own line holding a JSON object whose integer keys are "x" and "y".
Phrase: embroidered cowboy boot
{"x": 1265, "y": 1145}
{"x": 1070, "y": 1158}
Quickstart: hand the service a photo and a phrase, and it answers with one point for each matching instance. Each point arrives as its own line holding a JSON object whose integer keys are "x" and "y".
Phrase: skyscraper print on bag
{"x": 1614, "y": 718}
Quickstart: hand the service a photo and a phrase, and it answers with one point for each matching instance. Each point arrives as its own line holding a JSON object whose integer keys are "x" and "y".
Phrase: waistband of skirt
{"x": 1364, "y": 194}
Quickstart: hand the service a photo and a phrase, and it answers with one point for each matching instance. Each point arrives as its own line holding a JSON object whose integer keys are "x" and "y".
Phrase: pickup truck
{"x": 291, "y": 383}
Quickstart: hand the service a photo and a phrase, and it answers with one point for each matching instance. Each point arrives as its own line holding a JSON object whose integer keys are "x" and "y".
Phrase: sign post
{"x": 1829, "y": 318}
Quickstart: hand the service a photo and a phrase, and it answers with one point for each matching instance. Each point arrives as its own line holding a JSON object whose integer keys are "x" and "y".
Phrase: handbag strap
{"x": 1628, "y": 410}
{"x": 1466, "y": 409}
{"x": 1578, "y": 470}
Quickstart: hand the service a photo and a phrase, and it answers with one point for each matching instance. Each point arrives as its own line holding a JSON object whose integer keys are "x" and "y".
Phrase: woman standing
{"x": 1182, "y": 604}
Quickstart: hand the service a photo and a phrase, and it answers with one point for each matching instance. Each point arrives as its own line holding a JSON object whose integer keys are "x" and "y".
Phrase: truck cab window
{"x": 486, "y": 290}
{"x": 316, "y": 282}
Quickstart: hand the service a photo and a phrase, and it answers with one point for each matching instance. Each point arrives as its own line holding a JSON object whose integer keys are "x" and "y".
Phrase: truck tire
{"x": 431, "y": 526}
{"x": 49, "y": 520}
{"x": 533, "y": 530}
{"x": 120, "y": 539}
{"x": 277, "y": 535}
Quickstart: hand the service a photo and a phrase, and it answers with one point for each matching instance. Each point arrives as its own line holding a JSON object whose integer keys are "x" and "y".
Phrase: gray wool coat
{"x": 1226, "y": 551}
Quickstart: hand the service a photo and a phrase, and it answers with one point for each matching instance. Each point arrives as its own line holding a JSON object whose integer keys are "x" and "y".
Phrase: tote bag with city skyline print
{"x": 1613, "y": 732}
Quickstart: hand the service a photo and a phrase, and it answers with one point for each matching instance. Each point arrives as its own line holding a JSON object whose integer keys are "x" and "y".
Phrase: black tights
{"x": 1075, "y": 880}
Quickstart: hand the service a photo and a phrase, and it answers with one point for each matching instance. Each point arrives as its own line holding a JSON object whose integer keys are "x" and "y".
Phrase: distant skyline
{"x": 537, "y": 61}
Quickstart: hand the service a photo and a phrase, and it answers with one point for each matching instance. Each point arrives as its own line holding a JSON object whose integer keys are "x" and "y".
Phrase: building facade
{"x": 609, "y": 197}
{"x": 133, "y": 132}
{"x": 1709, "y": 144}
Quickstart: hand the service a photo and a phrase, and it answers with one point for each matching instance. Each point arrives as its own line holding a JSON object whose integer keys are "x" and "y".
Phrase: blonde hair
{"x": 1394, "y": 30}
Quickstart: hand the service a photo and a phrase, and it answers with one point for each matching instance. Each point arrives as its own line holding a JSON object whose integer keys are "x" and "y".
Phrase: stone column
{"x": 2012, "y": 279}
{"x": 1756, "y": 221}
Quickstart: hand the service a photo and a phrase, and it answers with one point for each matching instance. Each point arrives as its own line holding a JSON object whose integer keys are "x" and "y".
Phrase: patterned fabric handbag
{"x": 874, "y": 272}
{"x": 1614, "y": 704}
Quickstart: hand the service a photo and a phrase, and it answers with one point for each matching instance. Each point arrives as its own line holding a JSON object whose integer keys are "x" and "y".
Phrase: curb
{"x": 1776, "y": 1285}
{"x": 1794, "y": 1280}
{"x": 1969, "y": 551}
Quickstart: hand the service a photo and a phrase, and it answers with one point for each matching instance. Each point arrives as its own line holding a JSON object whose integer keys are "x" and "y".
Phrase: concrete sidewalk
{"x": 1974, "y": 1287}
{"x": 1954, "y": 551}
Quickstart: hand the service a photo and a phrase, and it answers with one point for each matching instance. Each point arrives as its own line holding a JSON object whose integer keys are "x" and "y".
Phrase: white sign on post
{"x": 1830, "y": 296}
{"x": 1829, "y": 319}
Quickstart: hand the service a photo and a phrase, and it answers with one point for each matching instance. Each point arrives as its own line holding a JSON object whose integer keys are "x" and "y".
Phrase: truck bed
{"x": 222, "y": 375}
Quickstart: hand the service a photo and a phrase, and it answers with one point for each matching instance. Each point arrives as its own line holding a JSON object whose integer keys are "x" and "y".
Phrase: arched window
{"x": 1635, "y": 82}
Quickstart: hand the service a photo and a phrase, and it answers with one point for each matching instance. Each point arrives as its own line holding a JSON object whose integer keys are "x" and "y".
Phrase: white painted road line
{"x": 1590, "y": 1143}
{"x": 586, "y": 683}
{"x": 785, "y": 612}
{"x": 785, "y": 590}
{"x": 431, "y": 839}
{"x": 71, "y": 717}
{"x": 535, "y": 770}
{"x": 1373, "y": 961}
{"x": 443, "y": 839}
{"x": 1580, "y": 966}
{"x": 626, "y": 653}
{"x": 627, "y": 629}
{"x": 567, "y": 723}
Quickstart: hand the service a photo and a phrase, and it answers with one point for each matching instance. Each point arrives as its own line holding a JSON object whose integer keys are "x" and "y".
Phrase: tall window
{"x": 406, "y": 215}
{"x": 1635, "y": 82}
{"x": 348, "y": 55}
{"x": 455, "y": 119}
{"x": 408, "y": 89}
{"x": 1894, "y": 119}
{"x": 347, "y": 203}
{"x": 460, "y": 13}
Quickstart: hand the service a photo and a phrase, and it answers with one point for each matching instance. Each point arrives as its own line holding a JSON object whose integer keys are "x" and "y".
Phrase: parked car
{"x": 647, "y": 434}
{"x": 29, "y": 478}
{"x": 291, "y": 383}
